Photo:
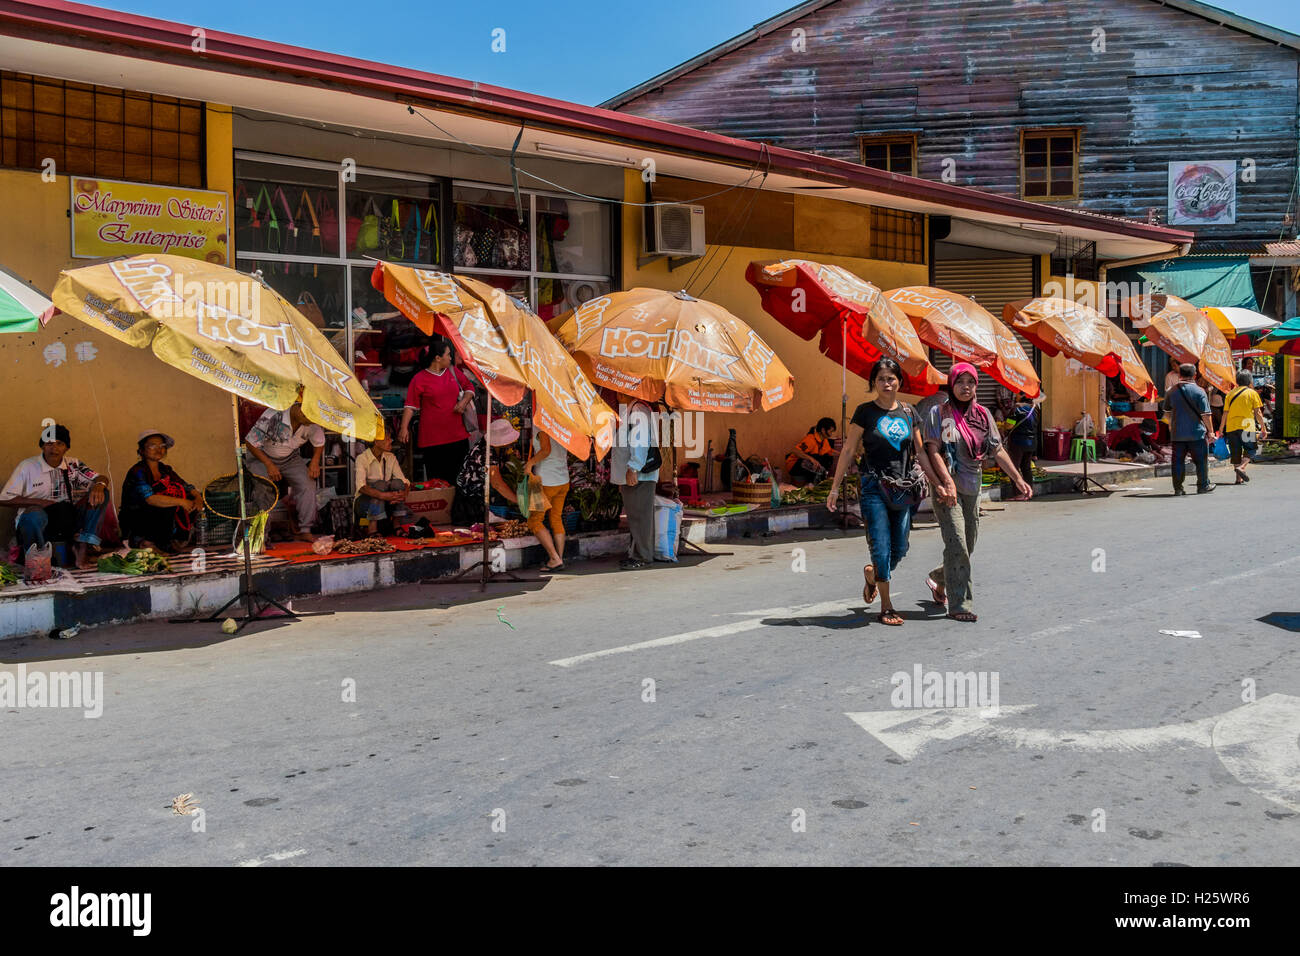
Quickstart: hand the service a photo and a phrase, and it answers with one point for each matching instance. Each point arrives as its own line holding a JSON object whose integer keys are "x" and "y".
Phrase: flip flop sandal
{"x": 935, "y": 592}
{"x": 869, "y": 589}
{"x": 966, "y": 617}
{"x": 890, "y": 617}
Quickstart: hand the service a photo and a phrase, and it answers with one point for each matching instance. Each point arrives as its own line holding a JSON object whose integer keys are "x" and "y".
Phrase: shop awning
{"x": 1201, "y": 281}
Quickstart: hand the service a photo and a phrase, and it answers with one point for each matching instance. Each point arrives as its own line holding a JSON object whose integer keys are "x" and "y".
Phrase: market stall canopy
{"x": 229, "y": 329}
{"x": 1282, "y": 340}
{"x": 968, "y": 332}
{"x": 1186, "y": 334}
{"x": 508, "y": 347}
{"x": 670, "y": 346}
{"x": 22, "y": 307}
{"x": 858, "y": 325}
{"x": 1059, "y": 326}
{"x": 1241, "y": 326}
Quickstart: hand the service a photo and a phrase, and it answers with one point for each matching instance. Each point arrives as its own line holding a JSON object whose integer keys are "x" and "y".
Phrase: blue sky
{"x": 579, "y": 50}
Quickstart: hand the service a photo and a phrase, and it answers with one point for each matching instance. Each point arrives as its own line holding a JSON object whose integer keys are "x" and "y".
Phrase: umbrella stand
{"x": 682, "y": 543}
{"x": 247, "y": 594}
{"x": 1081, "y": 484}
{"x": 486, "y": 575}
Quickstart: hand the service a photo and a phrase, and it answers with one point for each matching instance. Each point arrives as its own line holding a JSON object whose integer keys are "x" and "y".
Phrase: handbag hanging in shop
{"x": 391, "y": 241}
{"x": 307, "y": 306}
{"x": 368, "y": 237}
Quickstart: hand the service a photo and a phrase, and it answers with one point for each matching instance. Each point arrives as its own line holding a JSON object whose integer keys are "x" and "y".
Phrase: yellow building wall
{"x": 1071, "y": 392}
{"x": 771, "y": 434}
{"x": 104, "y": 400}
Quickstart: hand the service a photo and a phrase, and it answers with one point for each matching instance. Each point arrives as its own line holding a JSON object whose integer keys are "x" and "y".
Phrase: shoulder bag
{"x": 901, "y": 494}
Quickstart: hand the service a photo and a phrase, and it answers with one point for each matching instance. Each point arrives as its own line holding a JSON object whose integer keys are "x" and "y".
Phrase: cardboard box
{"x": 432, "y": 503}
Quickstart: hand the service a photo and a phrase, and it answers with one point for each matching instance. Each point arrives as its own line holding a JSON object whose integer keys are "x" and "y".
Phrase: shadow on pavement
{"x": 1287, "y": 620}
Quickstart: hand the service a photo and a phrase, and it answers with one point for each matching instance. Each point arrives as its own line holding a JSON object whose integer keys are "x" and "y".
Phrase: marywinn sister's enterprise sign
{"x": 111, "y": 219}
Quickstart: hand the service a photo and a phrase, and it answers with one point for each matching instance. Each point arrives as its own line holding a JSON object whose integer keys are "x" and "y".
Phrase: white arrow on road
{"x": 756, "y": 618}
{"x": 1258, "y": 743}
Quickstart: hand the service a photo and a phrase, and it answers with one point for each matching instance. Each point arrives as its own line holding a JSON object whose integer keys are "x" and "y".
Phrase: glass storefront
{"x": 315, "y": 239}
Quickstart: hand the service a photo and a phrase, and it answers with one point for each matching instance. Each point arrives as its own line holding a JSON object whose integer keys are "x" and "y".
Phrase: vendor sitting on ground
{"x": 157, "y": 504}
{"x": 1133, "y": 439}
{"x": 814, "y": 457}
{"x": 275, "y": 440}
{"x": 59, "y": 500}
{"x": 467, "y": 506}
{"x": 381, "y": 486}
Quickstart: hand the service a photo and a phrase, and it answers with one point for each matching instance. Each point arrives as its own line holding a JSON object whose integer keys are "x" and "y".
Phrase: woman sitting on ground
{"x": 814, "y": 456}
{"x": 157, "y": 503}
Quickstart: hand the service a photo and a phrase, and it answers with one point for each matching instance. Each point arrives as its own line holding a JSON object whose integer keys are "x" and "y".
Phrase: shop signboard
{"x": 112, "y": 219}
{"x": 1203, "y": 193}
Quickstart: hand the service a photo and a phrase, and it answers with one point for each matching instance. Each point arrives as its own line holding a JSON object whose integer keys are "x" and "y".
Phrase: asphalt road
{"x": 467, "y": 744}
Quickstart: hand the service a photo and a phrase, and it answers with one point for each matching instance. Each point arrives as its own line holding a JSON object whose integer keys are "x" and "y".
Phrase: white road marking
{"x": 275, "y": 857}
{"x": 1194, "y": 635}
{"x": 722, "y": 630}
{"x": 1259, "y": 743}
{"x": 1164, "y": 596}
{"x": 906, "y": 731}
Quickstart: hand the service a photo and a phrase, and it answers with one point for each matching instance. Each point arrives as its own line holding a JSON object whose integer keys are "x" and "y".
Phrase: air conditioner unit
{"x": 675, "y": 230}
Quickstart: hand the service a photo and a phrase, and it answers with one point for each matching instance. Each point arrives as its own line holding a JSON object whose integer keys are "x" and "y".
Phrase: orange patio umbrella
{"x": 672, "y": 347}
{"x": 858, "y": 325}
{"x": 1059, "y": 326}
{"x": 508, "y": 347}
{"x": 968, "y": 332}
{"x": 1186, "y": 334}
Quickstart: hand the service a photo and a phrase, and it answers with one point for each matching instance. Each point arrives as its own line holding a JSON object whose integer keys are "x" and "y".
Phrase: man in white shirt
{"x": 628, "y": 458}
{"x": 274, "y": 441}
{"x": 58, "y": 498}
{"x": 381, "y": 486}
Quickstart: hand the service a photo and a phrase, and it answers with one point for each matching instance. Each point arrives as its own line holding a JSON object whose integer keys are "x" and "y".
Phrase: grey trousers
{"x": 294, "y": 470}
{"x": 639, "y": 503}
{"x": 960, "y": 527}
{"x": 374, "y": 507}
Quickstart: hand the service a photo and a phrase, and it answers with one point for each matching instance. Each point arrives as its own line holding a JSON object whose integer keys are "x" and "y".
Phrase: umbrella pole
{"x": 487, "y": 497}
{"x": 247, "y": 593}
{"x": 844, "y": 409}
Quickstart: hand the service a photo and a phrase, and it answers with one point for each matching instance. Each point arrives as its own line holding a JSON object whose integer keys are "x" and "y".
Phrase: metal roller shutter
{"x": 992, "y": 283}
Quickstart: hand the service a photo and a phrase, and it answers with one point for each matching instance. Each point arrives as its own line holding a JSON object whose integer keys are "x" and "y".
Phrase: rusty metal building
{"x": 1149, "y": 109}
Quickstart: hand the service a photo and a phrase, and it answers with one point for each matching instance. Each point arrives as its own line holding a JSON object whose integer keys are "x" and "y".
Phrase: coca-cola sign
{"x": 1203, "y": 193}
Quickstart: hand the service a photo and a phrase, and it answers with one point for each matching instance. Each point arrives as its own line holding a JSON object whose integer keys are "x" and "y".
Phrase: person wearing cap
{"x": 468, "y": 504}
{"x": 959, "y": 436}
{"x": 157, "y": 503}
{"x": 275, "y": 441}
{"x": 59, "y": 499}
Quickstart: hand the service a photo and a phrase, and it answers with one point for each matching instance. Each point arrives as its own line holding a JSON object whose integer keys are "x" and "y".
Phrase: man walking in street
{"x": 1243, "y": 423}
{"x": 1191, "y": 428}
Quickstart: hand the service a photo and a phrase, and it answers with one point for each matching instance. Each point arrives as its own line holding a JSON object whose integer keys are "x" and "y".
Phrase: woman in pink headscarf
{"x": 959, "y": 436}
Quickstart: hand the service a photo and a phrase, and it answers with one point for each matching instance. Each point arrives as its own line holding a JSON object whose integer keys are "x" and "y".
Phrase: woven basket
{"x": 759, "y": 493}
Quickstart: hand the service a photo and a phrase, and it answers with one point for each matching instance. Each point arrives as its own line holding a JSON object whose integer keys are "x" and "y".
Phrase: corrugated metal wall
{"x": 992, "y": 283}
{"x": 968, "y": 75}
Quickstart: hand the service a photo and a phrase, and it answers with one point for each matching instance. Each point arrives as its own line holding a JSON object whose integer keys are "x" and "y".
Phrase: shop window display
{"x": 286, "y": 210}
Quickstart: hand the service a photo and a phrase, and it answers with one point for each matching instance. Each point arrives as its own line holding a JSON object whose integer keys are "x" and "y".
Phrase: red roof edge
{"x": 143, "y": 35}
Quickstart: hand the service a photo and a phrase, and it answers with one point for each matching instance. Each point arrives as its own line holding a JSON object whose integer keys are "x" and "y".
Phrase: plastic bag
{"x": 1220, "y": 449}
{"x": 323, "y": 545}
{"x": 668, "y": 523}
{"x": 38, "y": 564}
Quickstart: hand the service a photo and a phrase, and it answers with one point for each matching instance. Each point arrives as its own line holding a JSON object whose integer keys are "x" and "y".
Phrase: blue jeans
{"x": 70, "y": 522}
{"x": 1200, "y": 458}
{"x": 887, "y": 530}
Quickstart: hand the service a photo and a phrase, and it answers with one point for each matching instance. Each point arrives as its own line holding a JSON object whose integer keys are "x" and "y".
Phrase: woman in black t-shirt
{"x": 891, "y": 438}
